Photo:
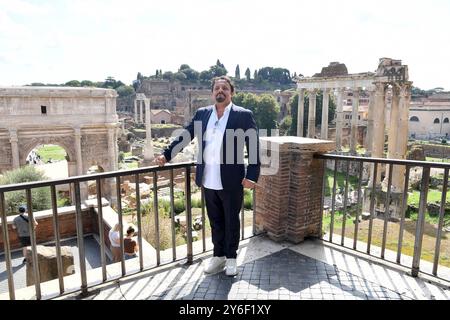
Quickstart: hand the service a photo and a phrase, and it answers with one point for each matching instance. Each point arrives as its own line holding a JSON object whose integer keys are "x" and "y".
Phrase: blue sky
{"x": 54, "y": 41}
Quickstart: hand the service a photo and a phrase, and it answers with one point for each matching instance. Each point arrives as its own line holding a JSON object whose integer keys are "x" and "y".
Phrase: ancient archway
{"x": 81, "y": 120}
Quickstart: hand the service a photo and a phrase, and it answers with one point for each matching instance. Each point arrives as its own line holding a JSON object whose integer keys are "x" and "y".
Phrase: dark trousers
{"x": 223, "y": 209}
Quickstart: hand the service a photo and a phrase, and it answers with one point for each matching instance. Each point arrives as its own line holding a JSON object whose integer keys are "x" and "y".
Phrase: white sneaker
{"x": 215, "y": 264}
{"x": 231, "y": 267}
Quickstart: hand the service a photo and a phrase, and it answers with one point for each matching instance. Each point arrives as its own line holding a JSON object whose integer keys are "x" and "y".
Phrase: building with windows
{"x": 429, "y": 118}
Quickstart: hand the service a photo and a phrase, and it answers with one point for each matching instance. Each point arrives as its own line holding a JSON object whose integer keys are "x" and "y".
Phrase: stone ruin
{"x": 48, "y": 267}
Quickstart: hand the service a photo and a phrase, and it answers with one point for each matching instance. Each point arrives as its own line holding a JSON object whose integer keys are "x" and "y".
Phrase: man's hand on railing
{"x": 248, "y": 183}
{"x": 161, "y": 160}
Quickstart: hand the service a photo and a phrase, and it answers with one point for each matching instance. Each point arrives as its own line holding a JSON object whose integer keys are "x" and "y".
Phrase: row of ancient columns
{"x": 375, "y": 137}
{"x": 312, "y": 94}
{"x": 139, "y": 105}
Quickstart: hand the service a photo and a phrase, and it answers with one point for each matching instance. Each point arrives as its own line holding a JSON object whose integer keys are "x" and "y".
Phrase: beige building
{"x": 429, "y": 118}
{"x": 161, "y": 116}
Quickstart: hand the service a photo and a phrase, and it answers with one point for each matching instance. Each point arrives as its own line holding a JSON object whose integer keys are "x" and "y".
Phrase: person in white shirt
{"x": 221, "y": 170}
{"x": 114, "y": 239}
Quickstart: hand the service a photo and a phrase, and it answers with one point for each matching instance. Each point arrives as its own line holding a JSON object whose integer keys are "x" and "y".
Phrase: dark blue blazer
{"x": 232, "y": 171}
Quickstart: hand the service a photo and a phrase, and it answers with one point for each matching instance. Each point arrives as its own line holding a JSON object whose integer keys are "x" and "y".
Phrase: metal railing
{"x": 99, "y": 178}
{"x": 372, "y": 184}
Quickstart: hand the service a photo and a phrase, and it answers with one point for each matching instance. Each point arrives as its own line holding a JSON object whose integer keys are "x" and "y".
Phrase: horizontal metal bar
{"x": 104, "y": 175}
{"x": 384, "y": 160}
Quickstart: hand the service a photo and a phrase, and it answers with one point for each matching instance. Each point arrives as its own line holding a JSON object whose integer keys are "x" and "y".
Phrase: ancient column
{"x": 148, "y": 151}
{"x": 354, "y": 123}
{"x": 398, "y": 175}
{"x": 141, "y": 107}
{"x": 83, "y": 185}
{"x": 378, "y": 124}
{"x": 339, "y": 119}
{"x": 300, "y": 111}
{"x": 135, "y": 111}
{"x": 325, "y": 105}
{"x": 392, "y": 134}
{"x": 112, "y": 153}
{"x": 14, "y": 148}
{"x": 312, "y": 113}
{"x": 369, "y": 135}
{"x": 77, "y": 133}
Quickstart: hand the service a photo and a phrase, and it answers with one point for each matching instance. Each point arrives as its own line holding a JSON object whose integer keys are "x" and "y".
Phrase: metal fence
{"x": 99, "y": 178}
{"x": 371, "y": 184}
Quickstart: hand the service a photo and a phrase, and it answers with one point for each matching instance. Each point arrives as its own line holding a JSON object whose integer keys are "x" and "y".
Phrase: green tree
{"x": 247, "y": 100}
{"x": 285, "y": 126}
{"x": 206, "y": 76}
{"x": 191, "y": 74}
{"x": 180, "y": 76}
{"x": 247, "y": 74}
{"x": 255, "y": 75}
{"x": 219, "y": 64}
{"x": 87, "y": 83}
{"x": 40, "y": 197}
{"x": 237, "y": 72}
{"x": 266, "y": 113}
{"x": 217, "y": 71}
{"x": 124, "y": 90}
{"x": 168, "y": 75}
{"x": 72, "y": 83}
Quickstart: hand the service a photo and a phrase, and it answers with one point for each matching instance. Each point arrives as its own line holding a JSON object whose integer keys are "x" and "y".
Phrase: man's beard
{"x": 220, "y": 98}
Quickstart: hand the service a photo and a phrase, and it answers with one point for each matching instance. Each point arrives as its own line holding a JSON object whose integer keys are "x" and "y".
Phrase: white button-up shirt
{"x": 213, "y": 143}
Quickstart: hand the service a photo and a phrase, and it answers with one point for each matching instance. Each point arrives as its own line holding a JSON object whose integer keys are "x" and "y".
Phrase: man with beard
{"x": 221, "y": 130}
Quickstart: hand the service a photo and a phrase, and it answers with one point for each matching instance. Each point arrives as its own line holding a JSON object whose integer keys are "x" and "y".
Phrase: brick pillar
{"x": 288, "y": 200}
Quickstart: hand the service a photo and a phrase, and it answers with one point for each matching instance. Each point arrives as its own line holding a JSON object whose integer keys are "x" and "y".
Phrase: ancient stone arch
{"x": 81, "y": 120}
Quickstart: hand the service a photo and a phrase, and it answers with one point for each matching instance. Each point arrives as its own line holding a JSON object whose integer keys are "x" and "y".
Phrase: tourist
{"x": 114, "y": 239}
{"x": 21, "y": 224}
{"x": 130, "y": 246}
{"x": 223, "y": 177}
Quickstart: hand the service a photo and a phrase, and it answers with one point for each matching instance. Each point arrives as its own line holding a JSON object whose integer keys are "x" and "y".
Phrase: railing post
{"x": 6, "y": 247}
{"x": 190, "y": 255}
{"x": 80, "y": 239}
{"x": 34, "y": 255}
{"x": 57, "y": 238}
{"x": 420, "y": 222}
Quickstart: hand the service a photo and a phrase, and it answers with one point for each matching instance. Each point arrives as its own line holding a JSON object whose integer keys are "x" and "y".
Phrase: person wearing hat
{"x": 20, "y": 223}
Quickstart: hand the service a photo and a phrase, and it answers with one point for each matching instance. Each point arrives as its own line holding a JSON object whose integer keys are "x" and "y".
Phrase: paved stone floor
{"x": 269, "y": 271}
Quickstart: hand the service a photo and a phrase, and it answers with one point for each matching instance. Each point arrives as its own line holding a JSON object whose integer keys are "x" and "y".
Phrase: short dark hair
{"x": 22, "y": 209}
{"x": 130, "y": 230}
{"x": 227, "y": 79}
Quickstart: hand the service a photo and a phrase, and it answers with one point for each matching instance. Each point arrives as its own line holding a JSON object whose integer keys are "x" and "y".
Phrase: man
{"x": 220, "y": 167}
{"x": 20, "y": 223}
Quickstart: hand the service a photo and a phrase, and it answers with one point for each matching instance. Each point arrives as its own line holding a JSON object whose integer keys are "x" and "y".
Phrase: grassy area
{"x": 340, "y": 184}
{"x": 436, "y": 159}
{"x": 53, "y": 152}
{"x": 433, "y": 196}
